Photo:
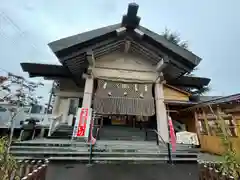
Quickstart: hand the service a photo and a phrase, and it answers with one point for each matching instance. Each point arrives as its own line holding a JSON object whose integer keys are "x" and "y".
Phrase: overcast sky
{"x": 211, "y": 28}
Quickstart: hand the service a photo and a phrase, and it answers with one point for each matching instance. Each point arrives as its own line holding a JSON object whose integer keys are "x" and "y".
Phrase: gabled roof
{"x": 159, "y": 40}
{"x": 131, "y": 22}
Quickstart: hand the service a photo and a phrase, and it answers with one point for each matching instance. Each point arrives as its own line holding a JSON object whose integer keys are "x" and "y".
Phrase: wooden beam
{"x": 197, "y": 125}
{"x": 85, "y": 76}
{"x": 162, "y": 64}
{"x": 161, "y": 53}
{"x": 139, "y": 33}
{"x": 236, "y": 119}
{"x": 89, "y": 70}
{"x": 121, "y": 31}
{"x": 127, "y": 46}
{"x": 206, "y": 122}
{"x": 213, "y": 117}
{"x": 221, "y": 120}
{"x": 90, "y": 58}
{"x": 173, "y": 111}
{"x": 232, "y": 110}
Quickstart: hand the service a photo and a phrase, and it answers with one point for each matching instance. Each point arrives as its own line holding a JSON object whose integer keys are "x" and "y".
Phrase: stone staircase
{"x": 121, "y": 133}
{"x": 62, "y": 131}
{"x": 103, "y": 152}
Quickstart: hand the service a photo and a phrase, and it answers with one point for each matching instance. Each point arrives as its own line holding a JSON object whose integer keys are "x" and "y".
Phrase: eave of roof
{"x": 57, "y": 71}
{"x": 45, "y": 70}
{"x": 77, "y": 39}
{"x": 177, "y": 102}
{"x": 217, "y": 101}
{"x": 186, "y": 54}
{"x": 189, "y": 81}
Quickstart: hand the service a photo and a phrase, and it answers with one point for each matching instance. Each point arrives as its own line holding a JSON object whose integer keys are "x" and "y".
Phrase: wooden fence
{"x": 31, "y": 170}
{"x": 212, "y": 171}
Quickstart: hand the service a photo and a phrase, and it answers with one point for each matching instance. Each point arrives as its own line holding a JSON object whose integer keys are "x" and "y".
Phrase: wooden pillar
{"x": 236, "y": 118}
{"x": 101, "y": 123}
{"x": 221, "y": 121}
{"x": 161, "y": 113}
{"x": 88, "y": 90}
{"x": 197, "y": 124}
{"x": 233, "y": 129}
{"x": 206, "y": 122}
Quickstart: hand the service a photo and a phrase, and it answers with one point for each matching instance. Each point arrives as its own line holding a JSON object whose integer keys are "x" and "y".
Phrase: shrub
{"x": 8, "y": 165}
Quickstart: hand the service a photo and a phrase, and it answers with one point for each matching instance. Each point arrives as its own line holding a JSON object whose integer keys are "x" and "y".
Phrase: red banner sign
{"x": 82, "y": 124}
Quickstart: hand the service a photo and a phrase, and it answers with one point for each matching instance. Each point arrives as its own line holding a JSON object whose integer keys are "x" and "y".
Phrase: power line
{"x": 22, "y": 33}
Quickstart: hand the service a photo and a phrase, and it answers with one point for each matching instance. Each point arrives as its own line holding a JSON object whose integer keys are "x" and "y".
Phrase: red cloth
{"x": 172, "y": 134}
{"x": 92, "y": 140}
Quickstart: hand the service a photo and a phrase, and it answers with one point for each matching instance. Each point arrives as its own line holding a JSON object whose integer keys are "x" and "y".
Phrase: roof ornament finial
{"x": 131, "y": 20}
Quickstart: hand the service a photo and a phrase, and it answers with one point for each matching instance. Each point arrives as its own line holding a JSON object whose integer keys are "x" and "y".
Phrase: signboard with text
{"x": 82, "y": 123}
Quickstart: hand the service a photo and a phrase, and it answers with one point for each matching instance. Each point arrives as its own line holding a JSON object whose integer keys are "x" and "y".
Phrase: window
{"x": 36, "y": 109}
{"x": 26, "y": 110}
{"x": 73, "y": 106}
{"x": 3, "y": 109}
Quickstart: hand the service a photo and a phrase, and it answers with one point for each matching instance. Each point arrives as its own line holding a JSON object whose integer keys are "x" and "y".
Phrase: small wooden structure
{"x": 221, "y": 115}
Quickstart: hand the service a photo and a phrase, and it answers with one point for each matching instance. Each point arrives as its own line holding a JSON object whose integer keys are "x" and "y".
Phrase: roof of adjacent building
{"x": 220, "y": 100}
{"x": 215, "y": 100}
{"x": 206, "y": 98}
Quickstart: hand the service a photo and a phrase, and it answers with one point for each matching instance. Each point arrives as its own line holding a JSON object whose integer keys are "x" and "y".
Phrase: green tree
{"x": 175, "y": 38}
{"x": 230, "y": 163}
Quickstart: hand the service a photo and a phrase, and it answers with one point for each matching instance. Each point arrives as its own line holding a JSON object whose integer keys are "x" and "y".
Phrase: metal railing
{"x": 166, "y": 144}
{"x": 91, "y": 135}
{"x": 54, "y": 124}
{"x": 91, "y": 144}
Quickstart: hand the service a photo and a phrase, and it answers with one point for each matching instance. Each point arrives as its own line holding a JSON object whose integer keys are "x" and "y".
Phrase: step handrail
{"x": 159, "y": 136}
{"x": 167, "y": 144}
{"x": 91, "y": 145}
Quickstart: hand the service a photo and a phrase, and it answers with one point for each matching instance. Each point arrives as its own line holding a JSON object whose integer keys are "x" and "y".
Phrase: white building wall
{"x": 67, "y": 90}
